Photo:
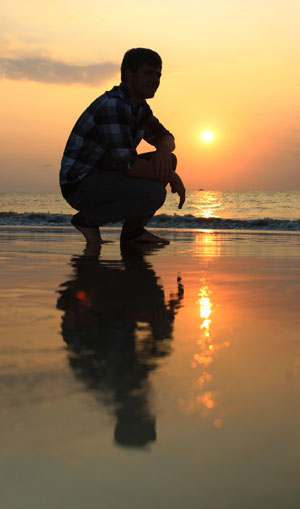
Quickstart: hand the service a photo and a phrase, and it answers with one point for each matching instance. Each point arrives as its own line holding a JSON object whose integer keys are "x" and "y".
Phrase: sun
{"x": 207, "y": 136}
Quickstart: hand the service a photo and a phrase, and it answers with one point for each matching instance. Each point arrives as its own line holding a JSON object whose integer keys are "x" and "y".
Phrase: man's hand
{"x": 163, "y": 166}
{"x": 177, "y": 187}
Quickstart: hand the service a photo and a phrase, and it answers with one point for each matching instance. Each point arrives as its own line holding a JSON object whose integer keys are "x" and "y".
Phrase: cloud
{"x": 48, "y": 70}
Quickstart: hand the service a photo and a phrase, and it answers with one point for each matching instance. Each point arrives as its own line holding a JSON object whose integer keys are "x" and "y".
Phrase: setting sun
{"x": 207, "y": 136}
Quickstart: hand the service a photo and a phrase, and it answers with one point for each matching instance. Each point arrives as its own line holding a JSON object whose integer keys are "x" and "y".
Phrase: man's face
{"x": 144, "y": 82}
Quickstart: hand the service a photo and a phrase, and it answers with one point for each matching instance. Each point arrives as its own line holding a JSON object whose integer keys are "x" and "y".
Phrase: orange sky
{"x": 228, "y": 66}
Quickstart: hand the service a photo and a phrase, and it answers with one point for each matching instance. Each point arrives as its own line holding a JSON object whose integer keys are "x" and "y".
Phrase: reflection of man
{"x": 101, "y": 174}
{"x": 117, "y": 325}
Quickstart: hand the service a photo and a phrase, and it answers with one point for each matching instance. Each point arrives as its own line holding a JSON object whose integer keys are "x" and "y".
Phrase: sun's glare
{"x": 207, "y": 136}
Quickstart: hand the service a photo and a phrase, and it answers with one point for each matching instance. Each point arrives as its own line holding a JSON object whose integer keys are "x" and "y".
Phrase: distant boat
{"x": 200, "y": 189}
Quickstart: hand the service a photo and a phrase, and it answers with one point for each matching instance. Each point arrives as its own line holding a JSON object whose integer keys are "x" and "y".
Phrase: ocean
{"x": 214, "y": 210}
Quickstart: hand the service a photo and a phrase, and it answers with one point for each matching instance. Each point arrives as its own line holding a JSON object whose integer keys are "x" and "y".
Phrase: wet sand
{"x": 165, "y": 378}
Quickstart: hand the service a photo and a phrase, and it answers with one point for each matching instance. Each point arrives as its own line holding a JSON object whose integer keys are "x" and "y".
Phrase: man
{"x": 101, "y": 174}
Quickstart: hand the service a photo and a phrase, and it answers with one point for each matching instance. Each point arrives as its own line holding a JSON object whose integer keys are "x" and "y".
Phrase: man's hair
{"x": 136, "y": 57}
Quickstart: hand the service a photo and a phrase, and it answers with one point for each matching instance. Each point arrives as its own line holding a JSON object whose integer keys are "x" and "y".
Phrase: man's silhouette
{"x": 101, "y": 174}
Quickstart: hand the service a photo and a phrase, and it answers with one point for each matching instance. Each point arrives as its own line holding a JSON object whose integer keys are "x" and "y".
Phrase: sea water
{"x": 267, "y": 210}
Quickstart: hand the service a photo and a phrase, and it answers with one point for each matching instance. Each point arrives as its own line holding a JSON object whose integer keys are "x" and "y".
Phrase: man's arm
{"x": 161, "y": 165}
{"x": 158, "y": 136}
{"x": 145, "y": 169}
{"x": 165, "y": 142}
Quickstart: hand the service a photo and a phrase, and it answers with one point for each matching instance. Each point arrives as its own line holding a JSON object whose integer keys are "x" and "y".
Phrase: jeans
{"x": 111, "y": 196}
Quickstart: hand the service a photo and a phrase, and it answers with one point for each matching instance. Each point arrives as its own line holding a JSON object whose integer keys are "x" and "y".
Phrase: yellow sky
{"x": 231, "y": 66}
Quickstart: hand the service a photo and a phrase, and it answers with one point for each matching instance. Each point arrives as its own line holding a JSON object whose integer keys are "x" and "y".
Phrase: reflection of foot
{"x": 92, "y": 250}
{"x": 136, "y": 251}
{"x": 149, "y": 238}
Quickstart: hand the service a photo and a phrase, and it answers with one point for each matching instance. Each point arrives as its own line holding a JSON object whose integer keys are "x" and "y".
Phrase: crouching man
{"x": 102, "y": 176}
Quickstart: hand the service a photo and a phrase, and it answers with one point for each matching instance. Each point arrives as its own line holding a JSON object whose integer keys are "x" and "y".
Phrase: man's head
{"x": 136, "y": 57}
{"x": 141, "y": 71}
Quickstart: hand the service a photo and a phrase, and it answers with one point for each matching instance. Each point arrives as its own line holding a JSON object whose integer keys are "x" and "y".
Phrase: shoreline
{"x": 65, "y": 228}
{"x": 190, "y": 242}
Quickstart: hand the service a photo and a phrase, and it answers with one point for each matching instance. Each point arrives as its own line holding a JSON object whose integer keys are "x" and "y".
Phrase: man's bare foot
{"x": 91, "y": 235}
{"x": 149, "y": 238}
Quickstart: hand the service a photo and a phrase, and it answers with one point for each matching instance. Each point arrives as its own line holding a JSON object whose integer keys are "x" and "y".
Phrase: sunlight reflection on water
{"x": 207, "y": 204}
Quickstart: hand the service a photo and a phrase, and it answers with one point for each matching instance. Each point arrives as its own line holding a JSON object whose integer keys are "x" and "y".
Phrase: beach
{"x": 155, "y": 378}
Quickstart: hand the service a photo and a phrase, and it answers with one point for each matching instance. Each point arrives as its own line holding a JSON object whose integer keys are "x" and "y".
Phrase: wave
{"x": 187, "y": 221}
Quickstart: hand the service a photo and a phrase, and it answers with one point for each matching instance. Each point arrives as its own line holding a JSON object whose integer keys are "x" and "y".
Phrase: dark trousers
{"x": 111, "y": 196}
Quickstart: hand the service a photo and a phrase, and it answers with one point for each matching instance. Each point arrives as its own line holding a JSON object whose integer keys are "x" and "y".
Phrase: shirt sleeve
{"x": 153, "y": 128}
{"x": 113, "y": 122}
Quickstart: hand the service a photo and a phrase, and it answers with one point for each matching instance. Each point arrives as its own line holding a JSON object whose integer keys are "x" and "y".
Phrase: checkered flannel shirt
{"x": 106, "y": 135}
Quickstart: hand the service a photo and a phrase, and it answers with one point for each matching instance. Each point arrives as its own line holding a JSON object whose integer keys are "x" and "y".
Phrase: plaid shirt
{"x": 106, "y": 135}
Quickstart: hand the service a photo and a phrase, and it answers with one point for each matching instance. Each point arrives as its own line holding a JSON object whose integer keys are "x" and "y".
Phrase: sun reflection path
{"x": 207, "y": 244}
{"x": 205, "y": 356}
{"x": 204, "y": 398}
{"x": 208, "y": 204}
